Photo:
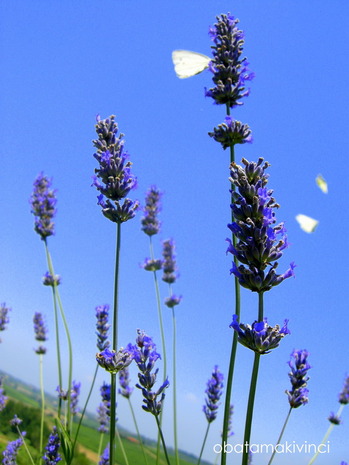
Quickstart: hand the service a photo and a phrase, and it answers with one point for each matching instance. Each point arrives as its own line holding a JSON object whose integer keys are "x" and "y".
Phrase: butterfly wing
{"x": 322, "y": 184}
{"x": 307, "y": 223}
{"x": 187, "y": 63}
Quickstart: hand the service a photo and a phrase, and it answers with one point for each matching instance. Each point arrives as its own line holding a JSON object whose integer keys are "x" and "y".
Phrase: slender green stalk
{"x": 84, "y": 409}
{"x": 235, "y": 336}
{"x": 204, "y": 442}
{"x": 174, "y": 384}
{"x": 158, "y": 302}
{"x": 138, "y": 433}
{"x": 42, "y": 392}
{"x": 112, "y": 418}
{"x": 162, "y": 440}
{"x": 115, "y": 345}
{"x": 280, "y": 437}
{"x": 328, "y": 432}
{"x": 58, "y": 350}
{"x": 25, "y": 446}
{"x": 251, "y": 397}
{"x": 121, "y": 446}
{"x": 99, "y": 453}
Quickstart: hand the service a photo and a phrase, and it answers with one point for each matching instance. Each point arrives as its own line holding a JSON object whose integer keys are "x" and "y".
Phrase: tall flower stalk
{"x": 230, "y": 73}
{"x": 114, "y": 180}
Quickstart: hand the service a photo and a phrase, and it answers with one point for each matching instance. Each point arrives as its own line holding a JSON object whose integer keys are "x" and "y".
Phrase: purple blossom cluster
{"x": 4, "y": 319}
{"x": 150, "y": 221}
{"x": 169, "y": 261}
{"x": 113, "y": 361}
{"x": 230, "y": 70}
{"x": 145, "y": 356}
{"x": 74, "y": 397}
{"x": 49, "y": 280}
{"x": 3, "y": 398}
{"x": 124, "y": 380}
{"x": 214, "y": 391}
{"x": 43, "y": 201}
{"x": 11, "y": 451}
{"x": 102, "y": 315}
{"x": 231, "y": 132}
{"x": 260, "y": 242}
{"x": 298, "y": 376}
{"x": 40, "y": 331}
{"x": 105, "y": 457}
{"x": 344, "y": 394}
{"x": 113, "y": 178}
{"x": 52, "y": 455}
{"x": 104, "y": 408}
{"x": 260, "y": 337}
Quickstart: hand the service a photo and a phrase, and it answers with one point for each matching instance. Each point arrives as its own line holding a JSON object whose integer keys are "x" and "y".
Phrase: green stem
{"x": 25, "y": 445}
{"x": 84, "y": 409}
{"x": 121, "y": 446}
{"x": 235, "y": 336}
{"x": 99, "y": 453}
{"x": 204, "y": 442}
{"x": 328, "y": 432}
{"x": 112, "y": 418}
{"x": 42, "y": 408}
{"x": 174, "y": 383}
{"x": 115, "y": 345}
{"x": 138, "y": 433}
{"x": 162, "y": 440}
{"x": 280, "y": 437}
{"x": 251, "y": 397}
{"x": 58, "y": 351}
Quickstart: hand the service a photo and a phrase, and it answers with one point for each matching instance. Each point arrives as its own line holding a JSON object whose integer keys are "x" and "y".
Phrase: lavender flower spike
{"x": 52, "y": 456}
{"x": 344, "y": 395}
{"x": 298, "y": 377}
{"x": 11, "y": 451}
{"x": 214, "y": 391}
{"x": 4, "y": 319}
{"x": 104, "y": 408}
{"x": 105, "y": 457}
{"x": 150, "y": 221}
{"x": 124, "y": 380}
{"x": 145, "y": 355}
{"x": 74, "y": 397}
{"x": 260, "y": 242}
{"x": 102, "y": 314}
{"x": 3, "y": 398}
{"x": 231, "y": 132}
{"x": 113, "y": 361}
{"x": 40, "y": 331}
{"x": 49, "y": 280}
{"x": 113, "y": 179}
{"x": 169, "y": 263}
{"x": 230, "y": 70}
{"x": 43, "y": 201}
{"x": 260, "y": 337}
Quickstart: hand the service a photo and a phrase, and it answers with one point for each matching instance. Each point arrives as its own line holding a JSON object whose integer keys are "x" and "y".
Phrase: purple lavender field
{"x": 171, "y": 190}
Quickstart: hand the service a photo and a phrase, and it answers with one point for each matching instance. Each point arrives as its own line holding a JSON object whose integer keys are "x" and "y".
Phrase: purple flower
{"x": 40, "y": 331}
{"x": 43, "y": 201}
{"x": 214, "y": 391}
{"x": 145, "y": 355}
{"x": 231, "y": 132}
{"x": 124, "y": 380}
{"x": 169, "y": 262}
{"x": 102, "y": 314}
{"x": 15, "y": 421}
{"x": 150, "y": 221}
{"x": 4, "y": 319}
{"x": 74, "y": 397}
{"x": 344, "y": 395}
{"x": 49, "y": 280}
{"x": 298, "y": 377}
{"x": 260, "y": 337}
{"x": 52, "y": 456}
{"x": 113, "y": 361}
{"x": 3, "y": 398}
{"x": 260, "y": 242}
{"x": 104, "y": 408}
{"x": 230, "y": 70}
{"x": 173, "y": 301}
{"x": 152, "y": 264}
{"x": 113, "y": 179}
{"x": 105, "y": 457}
{"x": 11, "y": 451}
{"x": 334, "y": 419}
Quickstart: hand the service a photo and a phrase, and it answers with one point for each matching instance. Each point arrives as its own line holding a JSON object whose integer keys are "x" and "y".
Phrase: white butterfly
{"x": 306, "y": 223}
{"x": 320, "y": 181}
{"x": 187, "y": 63}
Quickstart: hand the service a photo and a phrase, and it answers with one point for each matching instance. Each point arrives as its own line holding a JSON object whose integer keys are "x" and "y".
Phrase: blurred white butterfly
{"x": 306, "y": 223}
{"x": 320, "y": 181}
{"x": 187, "y": 63}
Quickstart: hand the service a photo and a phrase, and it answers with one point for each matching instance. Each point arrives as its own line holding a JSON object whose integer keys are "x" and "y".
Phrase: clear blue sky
{"x": 62, "y": 63}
